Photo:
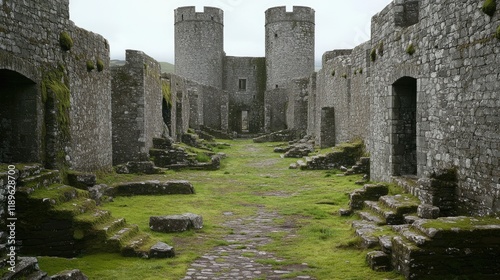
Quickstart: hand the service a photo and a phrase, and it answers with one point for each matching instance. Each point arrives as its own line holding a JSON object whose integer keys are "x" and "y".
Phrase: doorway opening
{"x": 404, "y": 128}
{"x": 244, "y": 122}
{"x": 19, "y": 141}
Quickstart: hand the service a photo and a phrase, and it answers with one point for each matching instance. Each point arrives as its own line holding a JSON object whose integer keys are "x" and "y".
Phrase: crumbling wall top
{"x": 189, "y": 14}
{"x": 299, "y": 13}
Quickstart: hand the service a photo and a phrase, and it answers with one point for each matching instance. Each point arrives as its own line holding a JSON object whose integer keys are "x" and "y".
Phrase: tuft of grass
{"x": 202, "y": 157}
{"x": 373, "y": 55}
{"x": 100, "y": 65}
{"x": 65, "y": 41}
{"x": 410, "y": 49}
{"x": 90, "y": 65}
{"x": 489, "y": 7}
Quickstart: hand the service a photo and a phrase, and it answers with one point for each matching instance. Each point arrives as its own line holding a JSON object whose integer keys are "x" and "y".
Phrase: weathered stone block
{"x": 426, "y": 211}
{"x": 74, "y": 274}
{"x": 151, "y": 188}
{"x": 378, "y": 261}
{"x": 175, "y": 223}
{"x": 161, "y": 250}
{"x": 81, "y": 180}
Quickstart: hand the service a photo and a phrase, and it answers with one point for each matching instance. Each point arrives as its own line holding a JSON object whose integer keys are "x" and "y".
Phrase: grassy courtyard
{"x": 251, "y": 178}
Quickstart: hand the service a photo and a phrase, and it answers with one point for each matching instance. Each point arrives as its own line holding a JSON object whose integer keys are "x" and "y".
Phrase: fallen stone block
{"x": 74, "y": 274}
{"x": 161, "y": 250}
{"x": 175, "y": 223}
{"x": 151, "y": 188}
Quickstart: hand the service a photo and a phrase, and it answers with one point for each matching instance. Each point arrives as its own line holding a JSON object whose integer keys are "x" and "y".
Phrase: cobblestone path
{"x": 242, "y": 259}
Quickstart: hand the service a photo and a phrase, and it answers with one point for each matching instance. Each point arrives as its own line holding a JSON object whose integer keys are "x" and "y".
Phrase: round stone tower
{"x": 199, "y": 45}
{"x": 289, "y": 45}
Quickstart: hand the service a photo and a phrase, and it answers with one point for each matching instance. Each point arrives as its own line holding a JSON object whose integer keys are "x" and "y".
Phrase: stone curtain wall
{"x": 199, "y": 45}
{"x": 90, "y": 114}
{"x": 251, "y": 99}
{"x": 455, "y": 65}
{"x": 180, "y": 112}
{"x": 137, "y": 101}
{"x": 29, "y": 36}
{"x": 298, "y": 96}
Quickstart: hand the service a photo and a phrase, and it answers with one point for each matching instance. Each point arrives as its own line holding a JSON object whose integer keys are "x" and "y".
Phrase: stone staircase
{"x": 166, "y": 154}
{"x": 442, "y": 248}
{"x": 342, "y": 155}
{"x": 60, "y": 220}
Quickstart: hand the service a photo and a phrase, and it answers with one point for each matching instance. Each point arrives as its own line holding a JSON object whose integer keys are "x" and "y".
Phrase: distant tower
{"x": 199, "y": 45}
{"x": 289, "y": 45}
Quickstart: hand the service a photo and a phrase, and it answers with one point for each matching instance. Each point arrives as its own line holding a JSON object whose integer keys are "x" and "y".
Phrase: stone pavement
{"x": 241, "y": 258}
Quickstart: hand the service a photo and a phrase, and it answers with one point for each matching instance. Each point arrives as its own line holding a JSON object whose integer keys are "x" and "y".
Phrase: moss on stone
{"x": 360, "y": 70}
{"x": 380, "y": 49}
{"x": 57, "y": 82}
{"x": 100, "y": 65}
{"x": 65, "y": 41}
{"x": 166, "y": 91}
{"x": 90, "y": 65}
{"x": 344, "y": 76}
{"x": 410, "y": 49}
{"x": 489, "y": 7}
{"x": 497, "y": 34}
{"x": 373, "y": 55}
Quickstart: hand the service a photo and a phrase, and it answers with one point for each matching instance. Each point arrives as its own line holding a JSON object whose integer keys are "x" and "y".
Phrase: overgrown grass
{"x": 251, "y": 177}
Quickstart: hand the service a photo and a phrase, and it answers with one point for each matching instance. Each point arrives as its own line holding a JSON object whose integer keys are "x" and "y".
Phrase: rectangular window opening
{"x": 242, "y": 84}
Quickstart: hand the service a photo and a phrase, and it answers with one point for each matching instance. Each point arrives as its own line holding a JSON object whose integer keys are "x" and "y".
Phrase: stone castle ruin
{"x": 422, "y": 93}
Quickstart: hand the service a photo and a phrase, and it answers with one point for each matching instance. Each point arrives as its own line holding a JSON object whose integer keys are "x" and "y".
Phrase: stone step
{"x": 367, "y": 231}
{"x": 137, "y": 246}
{"x": 70, "y": 209}
{"x": 43, "y": 179}
{"x": 390, "y": 217}
{"x": 107, "y": 229}
{"x": 372, "y": 217}
{"x": 121, "y": 237}
{"x": 162, "y": 143}
{"x": 412, "y": 235}
{"x": 55, "y": 194}
{"x": 28, "y": 170}
{"x": 90, "y": 220}
{"x": 401, "y": 204}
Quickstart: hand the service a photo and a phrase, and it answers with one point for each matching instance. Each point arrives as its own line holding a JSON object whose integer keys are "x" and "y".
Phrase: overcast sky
{"x": 148, "y": 25}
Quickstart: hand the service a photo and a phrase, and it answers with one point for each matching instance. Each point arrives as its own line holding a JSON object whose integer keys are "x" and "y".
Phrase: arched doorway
{"x": 19, "y": 141}
{"x": 404, "y": 127}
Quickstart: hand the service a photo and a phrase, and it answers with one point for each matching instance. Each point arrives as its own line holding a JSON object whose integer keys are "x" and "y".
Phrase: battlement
{"x": 190, "y": 14}
{"x": 299, "y": 13}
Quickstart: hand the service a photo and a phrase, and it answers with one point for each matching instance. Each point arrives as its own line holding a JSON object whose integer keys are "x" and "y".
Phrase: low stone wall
{"x": 151, "y": 188}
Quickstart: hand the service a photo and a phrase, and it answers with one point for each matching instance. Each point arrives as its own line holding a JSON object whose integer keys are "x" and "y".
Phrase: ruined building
{"x": 423, "y": 92}
{"x": 251, "y": 95}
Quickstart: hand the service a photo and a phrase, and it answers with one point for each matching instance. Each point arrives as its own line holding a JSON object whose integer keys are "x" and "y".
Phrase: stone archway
{"x": 404, "y": 127}
{"x": 19, "y": 118}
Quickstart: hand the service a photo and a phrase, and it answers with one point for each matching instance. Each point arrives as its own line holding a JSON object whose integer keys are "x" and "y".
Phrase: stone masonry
{"x": 424, "y": 110}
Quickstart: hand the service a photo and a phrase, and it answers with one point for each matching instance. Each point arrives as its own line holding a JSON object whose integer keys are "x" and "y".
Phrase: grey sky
{"x": 148, "y": 25}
